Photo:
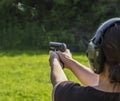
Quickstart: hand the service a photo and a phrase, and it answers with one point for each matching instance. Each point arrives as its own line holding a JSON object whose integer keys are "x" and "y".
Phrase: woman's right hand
{"x": 64, "y": 56}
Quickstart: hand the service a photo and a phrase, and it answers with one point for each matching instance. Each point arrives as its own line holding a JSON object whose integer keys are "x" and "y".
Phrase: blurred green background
{"x": 31, "y": 24}
{"x": 27, "y": 27}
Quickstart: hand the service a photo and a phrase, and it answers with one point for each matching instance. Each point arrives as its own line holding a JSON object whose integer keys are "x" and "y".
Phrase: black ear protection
{"x": 95, "y": 53}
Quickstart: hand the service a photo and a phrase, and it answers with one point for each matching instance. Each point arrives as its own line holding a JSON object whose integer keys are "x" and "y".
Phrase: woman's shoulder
{"x": 86, "y": 93}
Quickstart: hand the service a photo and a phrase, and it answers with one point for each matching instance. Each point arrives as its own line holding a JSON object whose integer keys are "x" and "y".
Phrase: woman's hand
{"x": 54, "y": 57}
{"x": 64, "y": 56}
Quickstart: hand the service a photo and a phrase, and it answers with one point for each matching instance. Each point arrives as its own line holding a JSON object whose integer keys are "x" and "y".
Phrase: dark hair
{"x": 111, "y": 49}
{"x": 114, "y": 73}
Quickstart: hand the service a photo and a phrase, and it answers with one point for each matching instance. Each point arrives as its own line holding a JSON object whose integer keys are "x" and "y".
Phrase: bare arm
{"x": 57, "y": 74}
{"x": 85, "y": 75}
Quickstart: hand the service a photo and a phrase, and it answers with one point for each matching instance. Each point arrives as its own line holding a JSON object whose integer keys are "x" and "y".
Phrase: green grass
{"x": 25, "y": 75}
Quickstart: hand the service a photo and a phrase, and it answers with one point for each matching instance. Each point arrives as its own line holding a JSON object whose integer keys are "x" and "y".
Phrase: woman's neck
{"x": 105, "y": 84}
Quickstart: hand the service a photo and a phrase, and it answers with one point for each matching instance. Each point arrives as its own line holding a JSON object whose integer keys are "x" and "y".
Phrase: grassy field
{"x": 24, "y": 75}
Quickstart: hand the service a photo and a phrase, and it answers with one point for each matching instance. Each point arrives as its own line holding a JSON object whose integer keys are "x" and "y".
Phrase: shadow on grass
{"x": 31, "y": 52}
{"x": 20, "y": 52}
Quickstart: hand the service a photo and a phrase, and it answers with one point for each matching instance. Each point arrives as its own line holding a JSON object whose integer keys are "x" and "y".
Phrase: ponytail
{"x": 114, "y": 75}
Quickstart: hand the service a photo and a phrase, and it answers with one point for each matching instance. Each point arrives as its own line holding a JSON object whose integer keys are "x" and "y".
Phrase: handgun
{"x": 57, "y": 46}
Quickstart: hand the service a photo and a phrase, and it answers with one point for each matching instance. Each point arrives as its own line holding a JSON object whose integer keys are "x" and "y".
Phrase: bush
{"x": 32, "y": 24}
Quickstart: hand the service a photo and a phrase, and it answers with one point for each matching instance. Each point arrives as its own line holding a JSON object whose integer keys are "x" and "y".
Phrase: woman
{"x": 102, "y": 81}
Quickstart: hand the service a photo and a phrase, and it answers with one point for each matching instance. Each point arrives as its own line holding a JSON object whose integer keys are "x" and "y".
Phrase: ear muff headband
{"x": 100, "y": 31}
{"x": 95, "y": 53}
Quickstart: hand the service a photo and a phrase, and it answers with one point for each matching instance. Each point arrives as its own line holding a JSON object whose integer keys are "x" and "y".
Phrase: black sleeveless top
{"x": 69, "y": 91}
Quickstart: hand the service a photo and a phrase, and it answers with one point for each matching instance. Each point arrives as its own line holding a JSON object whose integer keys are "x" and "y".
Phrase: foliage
{"x": 31, "y": 24}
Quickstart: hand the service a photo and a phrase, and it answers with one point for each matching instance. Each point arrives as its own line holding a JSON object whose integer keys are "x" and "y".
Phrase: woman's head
{"x": 111, "y": 49}
{"x": 95, "y": 51}
{"x": 104, "y": 48}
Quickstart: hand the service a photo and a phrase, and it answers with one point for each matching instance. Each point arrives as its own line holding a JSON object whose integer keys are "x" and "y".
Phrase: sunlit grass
{"x": 25, "y": 75}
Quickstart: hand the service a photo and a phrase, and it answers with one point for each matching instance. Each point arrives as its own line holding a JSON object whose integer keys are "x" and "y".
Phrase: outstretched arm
{"x": 84, "y": 74}
{"x": 57, "y": 73}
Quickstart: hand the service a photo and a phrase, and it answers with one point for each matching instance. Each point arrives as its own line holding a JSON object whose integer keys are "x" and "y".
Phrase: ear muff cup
{"x": 95, "y": 53}
{"x": 96, "y": 58}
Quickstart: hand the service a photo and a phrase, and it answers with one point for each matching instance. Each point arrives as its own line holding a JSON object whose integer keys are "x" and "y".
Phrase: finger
{"x": 59, "y": 52}
{"x": 67, "y": 51}
{"x": 52, "y": 52}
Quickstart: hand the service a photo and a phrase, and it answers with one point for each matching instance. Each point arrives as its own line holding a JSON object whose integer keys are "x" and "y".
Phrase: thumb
{"x": 52, "y": 53}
